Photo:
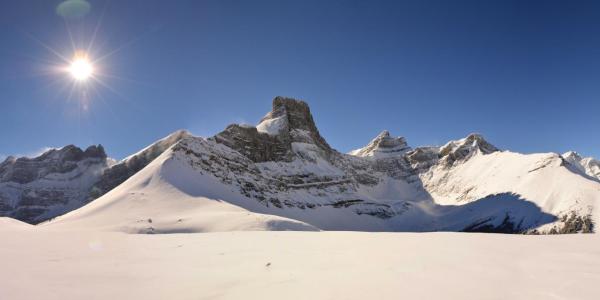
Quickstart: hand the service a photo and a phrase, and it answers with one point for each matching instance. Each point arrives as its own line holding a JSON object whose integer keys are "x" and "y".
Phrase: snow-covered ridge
{"x": 286, "y": 176}
{"x": 588, "y": 165}
{"x": 383, "y": 146}
{"x": 465, "y": 185}
{"x": 57, "y": 181}
{"x": 63, "y": 179}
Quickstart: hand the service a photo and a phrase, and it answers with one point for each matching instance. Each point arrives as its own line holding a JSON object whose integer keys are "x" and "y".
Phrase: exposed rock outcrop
{"x": 59, "y": 180}
{"x": 289, "y": 121}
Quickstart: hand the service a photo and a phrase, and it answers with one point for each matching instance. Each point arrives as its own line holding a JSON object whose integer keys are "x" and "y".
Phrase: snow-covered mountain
{"x": 36, "y": 189}
{"x": 60, "y": 180}
{"x": 383, "y": 146}
{"x": 282, "y": 174}
{"x": 588, "y": 165}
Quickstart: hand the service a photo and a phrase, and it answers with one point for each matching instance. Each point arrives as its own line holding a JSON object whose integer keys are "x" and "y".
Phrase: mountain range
{"x": 283, "y": 175}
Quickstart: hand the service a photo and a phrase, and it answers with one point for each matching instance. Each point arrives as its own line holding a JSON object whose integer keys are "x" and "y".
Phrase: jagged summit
{"x": 383, "y": 146}
{"x": 290, "y": 121}
{"x": 585, "y": 165}
{"x": 572, "y": 155}
{"x": 62, "y": 160}
{"x": 289, "y": 115}
{"x": 35, "y": 189}
{"x": 464, "y": 147}
{"x": 69, "y": 153}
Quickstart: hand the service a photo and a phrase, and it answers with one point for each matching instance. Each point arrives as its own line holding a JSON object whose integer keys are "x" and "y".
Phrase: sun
{"x": 81, "y": 68}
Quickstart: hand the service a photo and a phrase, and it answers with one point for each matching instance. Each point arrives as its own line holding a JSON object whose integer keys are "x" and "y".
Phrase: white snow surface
{"x": 64, "y": 265}
{"x": 272, "y": 126}
{"x": 10, "y": 224}
{"x": 539, "y": 178}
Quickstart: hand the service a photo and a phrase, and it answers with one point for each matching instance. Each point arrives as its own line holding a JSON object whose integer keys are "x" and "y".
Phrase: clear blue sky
{"x": 525, "y": 74}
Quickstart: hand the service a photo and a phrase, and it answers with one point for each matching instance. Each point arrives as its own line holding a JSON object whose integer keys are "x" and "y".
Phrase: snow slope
{"x": 10, "y": 224}
{"x": 542, "y": 179}
{"x": 50, "y": 265}
{"x": 165, "y": 197}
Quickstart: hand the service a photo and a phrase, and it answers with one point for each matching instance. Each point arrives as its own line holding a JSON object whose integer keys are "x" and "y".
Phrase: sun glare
{"x": 81, "y": 68}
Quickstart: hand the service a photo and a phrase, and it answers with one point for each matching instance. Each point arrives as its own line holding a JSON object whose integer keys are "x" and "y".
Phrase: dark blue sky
{"x": 526, "y": 74}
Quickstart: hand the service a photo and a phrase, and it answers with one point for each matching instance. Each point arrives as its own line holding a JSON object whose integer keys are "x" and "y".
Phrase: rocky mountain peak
{"x": 584, "y": 165}
{"x": 382, "y": 135}
{"x": 293, "y": 117}
{"x": 296, "y": 112}
{"x": 383, "y": 146}
{"x": 289, "y": 121}
{"x": 456, "y": 150}
{"x": 24, "y": 169}
{"x": 572, "y": 156}
{"x": 69, "y": 153}
{"x": 95, "y": 151}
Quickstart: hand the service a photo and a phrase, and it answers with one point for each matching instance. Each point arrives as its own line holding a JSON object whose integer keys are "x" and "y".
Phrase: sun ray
{"x": 93, "y": 39}
{"x": 106, "y": 86}
{"x": 126, "y": 44}
{"x": 112, "y": 76}
{"x": 73, "y": 46}
{"x": 47, "y": 47}
{"x": 71, "y": 92}
{"x": 99, "y": 95}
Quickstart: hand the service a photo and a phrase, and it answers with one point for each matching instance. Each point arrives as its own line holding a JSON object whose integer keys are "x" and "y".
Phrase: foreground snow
{"x": 46, "y": 264}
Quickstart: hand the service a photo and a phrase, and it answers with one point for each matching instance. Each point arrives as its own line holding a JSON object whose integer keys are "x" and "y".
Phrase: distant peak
{"x": 383, "y": 146}
{"x": 176, "y": 136}
{"x": 95, "y": 151}
{"x": 572, "y": 155}
{"x": 70, "y": 153}
{"x": 477, "y": 140}
{"x": 466, "y": 146}
{"x": 384, "y": 134}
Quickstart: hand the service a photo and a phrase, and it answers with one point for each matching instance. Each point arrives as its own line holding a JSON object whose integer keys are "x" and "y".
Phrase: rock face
{"x": 290, "y": 121}
{"x": 36, "y": 189}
